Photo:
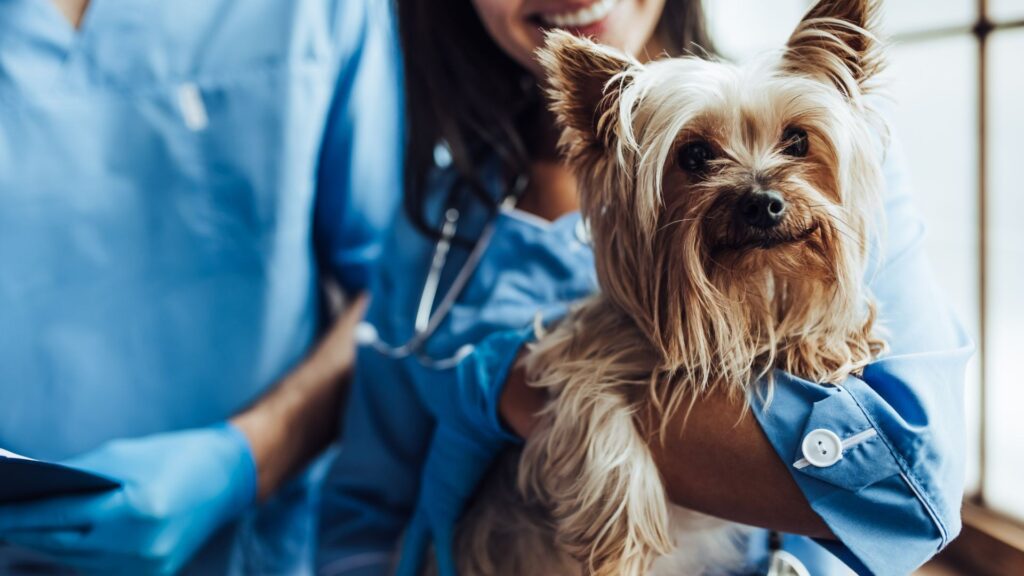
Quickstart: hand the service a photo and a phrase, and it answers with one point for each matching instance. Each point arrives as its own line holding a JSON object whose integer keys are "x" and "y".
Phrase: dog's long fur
{"x": 692, "y": 302}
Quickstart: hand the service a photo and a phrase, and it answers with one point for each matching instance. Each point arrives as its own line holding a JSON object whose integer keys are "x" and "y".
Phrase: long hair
{"x": 463, "y": 90}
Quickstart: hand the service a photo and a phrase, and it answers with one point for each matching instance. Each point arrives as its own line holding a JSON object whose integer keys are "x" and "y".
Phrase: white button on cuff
{"x": 813, "y": 445}
{"x": 822, "y": 448}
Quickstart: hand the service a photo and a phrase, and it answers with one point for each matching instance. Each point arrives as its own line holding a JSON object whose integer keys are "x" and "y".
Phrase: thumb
{"x": 355, "y": 311}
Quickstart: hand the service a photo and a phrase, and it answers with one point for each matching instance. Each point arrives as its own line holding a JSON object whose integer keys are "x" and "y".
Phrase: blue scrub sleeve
{"x": 360, "y": 169}
{"x": 892, "y": 500}
{"x": 469, "y": 403}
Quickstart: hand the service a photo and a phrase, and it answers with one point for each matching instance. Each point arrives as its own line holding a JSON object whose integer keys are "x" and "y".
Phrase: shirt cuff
{"x": 245, "y": 474}
{"x": 487, "y": 370}
{"x": 849, "y": 475}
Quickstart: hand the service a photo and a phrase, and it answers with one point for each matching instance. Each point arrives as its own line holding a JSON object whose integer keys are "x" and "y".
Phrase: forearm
{"x": 719, "y": 463}
{"x": 288, "y": 427}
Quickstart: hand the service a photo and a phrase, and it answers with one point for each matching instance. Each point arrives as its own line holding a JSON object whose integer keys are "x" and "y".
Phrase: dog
{"x": 731, "y": 209}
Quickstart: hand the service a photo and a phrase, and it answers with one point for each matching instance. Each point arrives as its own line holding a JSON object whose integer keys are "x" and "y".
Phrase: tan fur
{"x": 691, "y": 303}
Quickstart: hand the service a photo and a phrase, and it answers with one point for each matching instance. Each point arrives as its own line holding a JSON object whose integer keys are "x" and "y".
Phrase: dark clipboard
{"x": 24, "y": 480}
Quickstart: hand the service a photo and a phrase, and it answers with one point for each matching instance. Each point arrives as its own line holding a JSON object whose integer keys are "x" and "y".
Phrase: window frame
{"x": 991, "y": 543}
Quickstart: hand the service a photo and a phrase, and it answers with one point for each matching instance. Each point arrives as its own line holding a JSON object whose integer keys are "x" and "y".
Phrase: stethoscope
{"x": 781, "y": 562}
{"x": 428, "y": 318}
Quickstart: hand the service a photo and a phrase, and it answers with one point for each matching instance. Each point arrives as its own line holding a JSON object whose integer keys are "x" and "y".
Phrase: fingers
{"x": 414, "y": 547}
{"x": 49, "y": 541}
{"x": 355, "y": 311}
{"x": 67, "y": 548}
{"x": 350, "y": 317}
{"x": 339, "y": 345}
{"x": 74, "y": 513}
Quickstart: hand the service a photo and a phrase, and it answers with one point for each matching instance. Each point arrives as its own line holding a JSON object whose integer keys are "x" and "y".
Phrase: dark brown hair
{"x": 463, "y": 90}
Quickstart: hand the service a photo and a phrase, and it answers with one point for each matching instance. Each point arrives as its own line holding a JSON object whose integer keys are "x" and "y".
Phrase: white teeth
{"x": 583, "y": 17}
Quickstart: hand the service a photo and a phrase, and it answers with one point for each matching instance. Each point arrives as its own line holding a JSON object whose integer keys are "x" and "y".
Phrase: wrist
{"x": 520, "y": 403}
{"x": 263, "y": 439}
{"x": 242, "y": 470}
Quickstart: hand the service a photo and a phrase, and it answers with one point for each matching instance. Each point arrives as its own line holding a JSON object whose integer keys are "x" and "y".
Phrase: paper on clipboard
{"x": 6, "y": 454}
{"x": 23, "y": 479}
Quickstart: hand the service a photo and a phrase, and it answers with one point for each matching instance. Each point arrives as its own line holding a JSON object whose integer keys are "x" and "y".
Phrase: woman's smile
{"x": 585, "y": 20}
{"x": 518, "y": 26}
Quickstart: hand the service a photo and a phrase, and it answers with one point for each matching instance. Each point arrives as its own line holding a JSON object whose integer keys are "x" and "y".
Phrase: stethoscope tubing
{"x": 429, "y": 318}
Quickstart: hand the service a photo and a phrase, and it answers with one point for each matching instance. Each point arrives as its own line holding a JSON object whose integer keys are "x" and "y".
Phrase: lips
{"x": 580, "y": 18}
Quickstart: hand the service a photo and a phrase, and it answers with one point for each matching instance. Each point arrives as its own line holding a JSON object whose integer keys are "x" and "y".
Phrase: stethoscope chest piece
{"x": 782, "y": 563}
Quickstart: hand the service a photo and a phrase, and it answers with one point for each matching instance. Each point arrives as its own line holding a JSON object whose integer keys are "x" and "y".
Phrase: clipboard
{"x": 24, "y": 479}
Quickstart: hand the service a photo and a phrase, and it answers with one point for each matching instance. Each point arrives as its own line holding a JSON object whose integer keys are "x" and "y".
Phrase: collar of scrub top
{"x": 428, "y": 318}
{"x": 112, "y": 43}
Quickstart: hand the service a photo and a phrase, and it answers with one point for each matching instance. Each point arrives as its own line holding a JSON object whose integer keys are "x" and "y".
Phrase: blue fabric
{"x": 159, "y": 259}
{"x": 838, "y": 412}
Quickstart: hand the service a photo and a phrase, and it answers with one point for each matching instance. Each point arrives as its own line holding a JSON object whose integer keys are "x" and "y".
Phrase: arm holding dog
{"x": 707, "y": 464}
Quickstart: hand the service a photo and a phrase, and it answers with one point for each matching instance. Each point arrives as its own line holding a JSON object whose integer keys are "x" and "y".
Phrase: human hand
{"x": 177, "y": 489}
{"x": 454, "y": 467}
{"x": 467, "y": 440}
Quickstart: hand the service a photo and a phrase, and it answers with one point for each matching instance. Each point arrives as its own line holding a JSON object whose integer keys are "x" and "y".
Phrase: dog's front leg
{"x": 587, "y": 463}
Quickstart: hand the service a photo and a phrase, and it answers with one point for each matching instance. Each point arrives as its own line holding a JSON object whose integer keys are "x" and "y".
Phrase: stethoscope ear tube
{"x": 451, "y": 220}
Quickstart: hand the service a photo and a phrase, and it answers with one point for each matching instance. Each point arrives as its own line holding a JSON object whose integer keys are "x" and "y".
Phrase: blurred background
{"x": 957, "y": 80}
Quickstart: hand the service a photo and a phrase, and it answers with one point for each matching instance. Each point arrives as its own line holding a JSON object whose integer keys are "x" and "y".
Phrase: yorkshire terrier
{"x": 731, "y": 209}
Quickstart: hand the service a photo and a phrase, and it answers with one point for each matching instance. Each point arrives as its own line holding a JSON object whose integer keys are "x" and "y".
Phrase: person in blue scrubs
{"x": 176, "y": 181}
{"x": 490, "y": 239}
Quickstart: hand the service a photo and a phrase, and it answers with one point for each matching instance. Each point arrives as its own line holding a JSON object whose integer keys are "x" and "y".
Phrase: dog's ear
{"x": 584, "y": 83}
{"x": 836, "y": 41}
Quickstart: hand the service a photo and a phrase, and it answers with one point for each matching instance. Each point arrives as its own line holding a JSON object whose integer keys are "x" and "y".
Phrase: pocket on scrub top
{"x": 249, "y": 143}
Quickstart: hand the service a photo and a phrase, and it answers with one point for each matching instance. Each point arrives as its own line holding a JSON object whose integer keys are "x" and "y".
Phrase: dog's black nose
{"x": 761, "y": 208}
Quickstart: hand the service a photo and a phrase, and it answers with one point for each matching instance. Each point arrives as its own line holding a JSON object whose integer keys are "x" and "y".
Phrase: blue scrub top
{"x": 892, "y": 500}
{"x": 174, "y": 178}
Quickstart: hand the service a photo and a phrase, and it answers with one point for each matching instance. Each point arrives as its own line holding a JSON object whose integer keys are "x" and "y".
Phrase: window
{"x": 957, "y": 77}
{"x": 1003, "y": 477}
{"x": 962, "y": 94}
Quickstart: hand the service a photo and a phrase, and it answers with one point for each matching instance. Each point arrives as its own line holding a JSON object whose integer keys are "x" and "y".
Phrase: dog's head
{"x": 729, "y": 205}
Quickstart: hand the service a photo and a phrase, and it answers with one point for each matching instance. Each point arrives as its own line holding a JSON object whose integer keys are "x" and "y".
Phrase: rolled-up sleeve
{"x": 891, "y": 492}
{"x": 360, "y": 168}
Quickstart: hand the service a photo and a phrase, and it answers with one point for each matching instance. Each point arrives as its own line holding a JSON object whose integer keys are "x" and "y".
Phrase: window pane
{"x": 918, "y": 15}
{"x": 1004, "y": 10}
{"x": 938, "y": 130}
{"x": 1004, "y": 476}
{"x": 742, "y": 28}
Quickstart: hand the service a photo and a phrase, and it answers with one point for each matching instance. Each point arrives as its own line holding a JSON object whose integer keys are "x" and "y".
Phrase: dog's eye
{"x": 795, "y": 142}
{"x": 694, "y": 157}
